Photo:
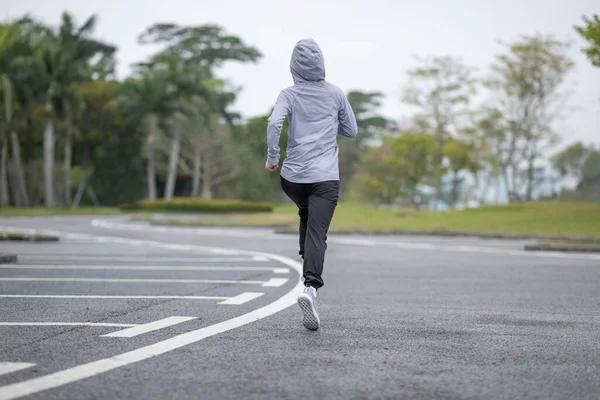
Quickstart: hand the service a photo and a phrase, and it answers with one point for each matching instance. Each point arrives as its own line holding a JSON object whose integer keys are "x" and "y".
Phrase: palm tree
{"x": 146, "y": 103}
{"x": 191, "y": 83}
{"x": 7, "y": 90}
{"x": 58, "y": 60}
{"x": 12, "y": 50}
{"x": 81, "y": 48}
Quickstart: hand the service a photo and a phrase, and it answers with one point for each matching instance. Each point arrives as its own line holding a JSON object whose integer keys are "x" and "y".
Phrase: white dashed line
{"x": 83, "y": 371}
{"x": 100, "y": 258}
{"x": 97, "y": 324}
{"x": 242, "y": 298}
{"x": 145, "y": 268}
{"x": 227, "y": 300}
{"x": 274, "y": 282}
{"x": 149, "y": 327}
{"x": 10, "y": 367}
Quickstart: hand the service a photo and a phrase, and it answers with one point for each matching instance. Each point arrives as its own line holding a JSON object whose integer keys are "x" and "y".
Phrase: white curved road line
{"x": 69, "y": 375}
{"x": 99, "y": 223}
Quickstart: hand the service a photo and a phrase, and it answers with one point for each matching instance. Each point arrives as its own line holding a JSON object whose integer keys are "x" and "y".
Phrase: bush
{"x": 191, "y": 204}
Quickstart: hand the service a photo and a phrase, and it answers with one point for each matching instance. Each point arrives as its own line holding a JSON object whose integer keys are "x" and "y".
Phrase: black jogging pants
{"x": 316, "y": 204}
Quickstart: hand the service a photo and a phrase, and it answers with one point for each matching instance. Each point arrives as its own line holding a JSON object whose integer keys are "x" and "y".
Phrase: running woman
{"x": 317, "y": 112}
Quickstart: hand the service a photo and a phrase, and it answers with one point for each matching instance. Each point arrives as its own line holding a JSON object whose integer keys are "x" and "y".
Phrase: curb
{"x": 27, "y": 237}
{"x": 562, "y": 248}
{"x": 7, "y": 258}
{"x": 482, "y": 235}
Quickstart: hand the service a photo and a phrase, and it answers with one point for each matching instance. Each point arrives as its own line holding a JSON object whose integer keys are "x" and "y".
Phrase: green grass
{"x": 41, "y": 211}
{"x": 552, "y": 218}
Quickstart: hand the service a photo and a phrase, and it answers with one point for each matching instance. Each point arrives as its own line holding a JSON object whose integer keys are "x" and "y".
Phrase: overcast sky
{"x": 367, "y": 44}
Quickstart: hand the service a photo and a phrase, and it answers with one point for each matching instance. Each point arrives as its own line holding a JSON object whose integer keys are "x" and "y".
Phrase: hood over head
{"x": 307, "y": 62}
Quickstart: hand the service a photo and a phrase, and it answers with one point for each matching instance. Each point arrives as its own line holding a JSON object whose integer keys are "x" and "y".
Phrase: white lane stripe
{"x": 352, "y": 241}
{"x": 9, "y": 367}
{"x": 100, "y": 324}
{"x": 149, "y": 327}
{"x": 274, "y": 282}
{"x": 77, "y": 296}
{"x": 242, "y": 298}
{"x": 83, "y": 371}
{"x": 144, "y": 268}
{"x": 197, "y": 231}
{"x": 101, "y": 258}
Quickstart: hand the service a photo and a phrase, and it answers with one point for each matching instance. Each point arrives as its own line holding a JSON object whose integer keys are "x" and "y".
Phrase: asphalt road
{"x": 402, "y": 317}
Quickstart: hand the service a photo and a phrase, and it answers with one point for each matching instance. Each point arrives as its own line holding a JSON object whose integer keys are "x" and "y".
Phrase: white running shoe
{"x": 308, "y": 304}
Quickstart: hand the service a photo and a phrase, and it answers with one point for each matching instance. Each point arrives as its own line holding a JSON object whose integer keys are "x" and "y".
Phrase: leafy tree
{"x": 54, "y": 60}
{"x": 397, "y": 168}
{"x": 107, "y": 155}
{"x": 569, "y": 161}
{"x": 528, "y": 79}
{"x": 500, "y": 146}
{"x": 441, "y": 87}
{"x": 80, "y": 49}
{"x": 591, "y": 168}
{"x": 199, "y": 49}
{"x": 205, "y": 45}
{"x": 590, "y": 32}
{"x": 251, "y": 182}
{"x": 209, "y": 144}
{"x": 461, "y": 155}
{"x": 14, "y": 53}
{"x": 371, "y": 125}
{"x": 145, "y": 102}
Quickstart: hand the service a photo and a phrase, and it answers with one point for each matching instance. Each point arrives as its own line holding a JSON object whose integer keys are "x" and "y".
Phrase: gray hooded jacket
{"x": 317, "y": 112}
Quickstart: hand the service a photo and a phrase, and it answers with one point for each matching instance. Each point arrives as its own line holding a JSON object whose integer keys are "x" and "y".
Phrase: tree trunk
{"x": 206, "y": 181}
{"x": 506, "y": 183}
{"x": 173, "y": 162}
{"x": 413, "y": 199}
{"x": 12, "y": 181}
{"x": 197, "y": 172}
{"x": 4, "y": 199}
{"x": 455, "y": 183}
{"x": 151, "y": 172}
{"x": 485, "y": 190}
{"x": 68, "y": 157}
{"x": 79, "y": 194}
{"x": 439, "y": 159}
{"x": 530, "y": 172}
{"x": 49, "y": 158}
{"x": 18, "y": 165}
{"x": 515, "y": 179}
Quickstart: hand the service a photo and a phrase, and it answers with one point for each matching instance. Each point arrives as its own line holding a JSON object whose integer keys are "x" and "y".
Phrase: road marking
{"x": 77, "y": 296}
{"x": 242, "y": 298}
{"x": 197, "y": 231}
{"x": 274, "y": 282}
{"x": 101, "y": 258}
{"x": 351, "y": 241}
{"x": 101, "y": 324}
{"x": 9, "y": 367}
{"x": 149, "y": 327}
{"x": 83, "y": 371}
{"x": 144, "y": 268}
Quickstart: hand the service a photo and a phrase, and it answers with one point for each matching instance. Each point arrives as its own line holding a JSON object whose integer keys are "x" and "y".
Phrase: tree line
{"x": 72, "y": 134}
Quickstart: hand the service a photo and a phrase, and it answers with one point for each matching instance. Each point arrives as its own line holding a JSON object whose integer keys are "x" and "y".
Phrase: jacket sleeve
{"x": 347, "y": 119}
{"x": 275, "y": 123}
